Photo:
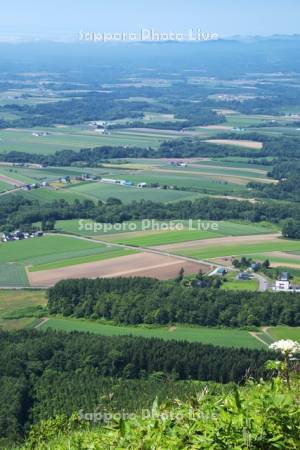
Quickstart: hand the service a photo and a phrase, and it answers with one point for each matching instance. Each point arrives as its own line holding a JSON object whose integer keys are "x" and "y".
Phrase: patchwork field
{"x": 279, "y": 259}
{"x": 214, "y": 336}
{"x": 162, "y": 239}
{"x": 225, "y": 247}
{"x": 140, "y": 230}
{"x": 200, "y": 177}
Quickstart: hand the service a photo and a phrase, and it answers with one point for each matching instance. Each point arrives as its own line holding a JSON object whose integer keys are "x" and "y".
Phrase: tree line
{"x": 134, "y": 301}
{"x": 18, "y": 211}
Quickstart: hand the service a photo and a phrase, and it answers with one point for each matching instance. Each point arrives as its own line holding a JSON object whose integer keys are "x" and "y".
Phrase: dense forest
{"x": 143, "y": 300}
{"x": 287, "y": 171}
{"x": 32, "y": 363}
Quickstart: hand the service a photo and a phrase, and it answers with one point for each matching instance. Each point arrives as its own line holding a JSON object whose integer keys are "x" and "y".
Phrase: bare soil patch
{"x": 141, "y": 264}
{"x": 236, "y": 142}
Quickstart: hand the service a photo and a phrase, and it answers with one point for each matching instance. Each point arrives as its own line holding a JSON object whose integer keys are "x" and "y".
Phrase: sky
{"x": 224, "y": 17}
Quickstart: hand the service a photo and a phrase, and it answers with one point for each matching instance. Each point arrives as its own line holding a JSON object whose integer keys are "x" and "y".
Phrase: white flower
{"x": 286, "y": 347}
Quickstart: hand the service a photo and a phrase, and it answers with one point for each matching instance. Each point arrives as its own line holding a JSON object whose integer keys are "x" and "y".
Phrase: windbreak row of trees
{"x": 280, "y": 147}
{"x": 18, "y": 211}
{"x": 45, "y": 373}
{"x": 178, "y": 148}
{"x": 142, "y": 300}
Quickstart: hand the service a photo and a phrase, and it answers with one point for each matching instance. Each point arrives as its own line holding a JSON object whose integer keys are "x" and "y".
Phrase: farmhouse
{"x": 65, "y": 180}
{"x": 283, "y": 284}
{"x": 220, "y": 271}
{"x": 112, "y": 181}
{"x": 244, "y": 276}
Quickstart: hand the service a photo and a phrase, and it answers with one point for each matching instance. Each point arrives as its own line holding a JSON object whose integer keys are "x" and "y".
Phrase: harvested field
{"x": 142, "y": 264}
{"x": 286, "y": 264}
{"x": 238, "y": 143}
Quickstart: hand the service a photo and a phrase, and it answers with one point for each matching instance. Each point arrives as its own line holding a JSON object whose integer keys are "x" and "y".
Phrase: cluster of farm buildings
{"x": 20, "y": 235}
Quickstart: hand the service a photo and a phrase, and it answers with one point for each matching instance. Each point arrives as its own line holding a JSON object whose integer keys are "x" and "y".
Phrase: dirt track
{"x": 141, "y": 264}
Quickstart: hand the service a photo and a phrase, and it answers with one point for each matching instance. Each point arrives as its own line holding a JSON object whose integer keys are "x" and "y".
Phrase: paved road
{"x": 263, "y": 282}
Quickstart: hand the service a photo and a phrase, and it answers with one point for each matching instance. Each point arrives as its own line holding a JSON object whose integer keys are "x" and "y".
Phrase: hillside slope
{"x": 258, "y": 416}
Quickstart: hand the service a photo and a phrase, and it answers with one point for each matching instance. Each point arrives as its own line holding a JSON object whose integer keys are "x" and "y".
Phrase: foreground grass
{"x": 258, "y": 416}
{"x": 215, "y": 336}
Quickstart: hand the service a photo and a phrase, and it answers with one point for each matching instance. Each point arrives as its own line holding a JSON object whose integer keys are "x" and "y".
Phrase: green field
{"x": 232, "y": 283}
{"x": 279, "y": 260}
{"x": 100, "y": 256}
{"x": 215, "y": 336}
{"x": 211, "y": 170}
{"x": 5, "y": 186}
{"x": 285, "y": 333}
{"x": 15, "y": 304}
{"x": 172, "y": 237}
{"x": 13, "y": 274}
{"x": 62, "y": 138}
{"x": 201, "y": 183}
{"x": 101, "y": 191}
{"x": 241, "y": 250}
{"x": 49, "y": 252}
{"x": 45, "y": 248}
{"x": 224, "y": 228}
{"x": 46, "y": 195}
{"x": 186, "y": 235}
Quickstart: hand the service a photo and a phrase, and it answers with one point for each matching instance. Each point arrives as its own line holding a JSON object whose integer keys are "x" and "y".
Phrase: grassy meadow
{"x": 17, "y": 306}
{"x": 215, "y": 336}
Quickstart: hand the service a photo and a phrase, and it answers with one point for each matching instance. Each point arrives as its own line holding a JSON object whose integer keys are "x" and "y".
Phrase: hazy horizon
{"x": 64, "y": 19}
